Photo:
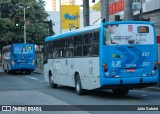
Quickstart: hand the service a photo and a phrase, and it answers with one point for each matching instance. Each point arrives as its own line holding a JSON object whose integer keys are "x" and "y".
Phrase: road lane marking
{"x": 33, "y": 78}
{"x": 144, "y": 95}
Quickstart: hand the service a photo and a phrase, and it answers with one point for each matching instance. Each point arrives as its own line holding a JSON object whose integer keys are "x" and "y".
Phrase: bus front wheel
{"x": 51, "y": 82}
{"x": 119, "y": 92}
{"x": 78, "y": 85}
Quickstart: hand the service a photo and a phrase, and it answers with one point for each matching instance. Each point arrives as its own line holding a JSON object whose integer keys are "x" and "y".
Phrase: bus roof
{"x": 129, "y": 22}
{"x": 73, "y": 32}
{"x": 8, "y": 46}
{"x": 91, "y": 28}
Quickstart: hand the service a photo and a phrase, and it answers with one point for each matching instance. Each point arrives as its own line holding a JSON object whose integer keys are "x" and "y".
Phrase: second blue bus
{"x": 18, "y": 57}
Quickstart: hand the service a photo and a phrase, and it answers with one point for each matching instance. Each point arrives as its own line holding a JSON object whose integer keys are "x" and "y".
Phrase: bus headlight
{"x": 153, "y": 72}
{"x": 33, "y": 62}
{"x": 13, "y": 63}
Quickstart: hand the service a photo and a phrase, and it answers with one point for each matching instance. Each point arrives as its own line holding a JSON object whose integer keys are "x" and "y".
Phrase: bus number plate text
{"x": 130, "y": 70}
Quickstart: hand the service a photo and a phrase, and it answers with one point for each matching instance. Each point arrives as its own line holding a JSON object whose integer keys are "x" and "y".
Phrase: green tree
{"x": 37, "y": 30}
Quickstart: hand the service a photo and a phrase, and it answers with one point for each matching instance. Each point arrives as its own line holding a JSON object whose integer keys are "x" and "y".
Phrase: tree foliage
{"x": 36, "y": 31}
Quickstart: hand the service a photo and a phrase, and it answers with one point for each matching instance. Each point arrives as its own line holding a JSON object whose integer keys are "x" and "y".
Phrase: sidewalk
{"x": 38, "y": 71}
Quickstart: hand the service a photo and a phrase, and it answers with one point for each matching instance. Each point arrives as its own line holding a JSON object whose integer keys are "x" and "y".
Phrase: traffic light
{"x": 4, "y": 10}
{"x": 17, "y": 22}
{"x": 117, "y": 18}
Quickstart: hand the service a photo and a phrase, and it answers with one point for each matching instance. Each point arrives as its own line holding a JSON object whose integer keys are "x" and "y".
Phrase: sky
{"x": 48, "y": 6}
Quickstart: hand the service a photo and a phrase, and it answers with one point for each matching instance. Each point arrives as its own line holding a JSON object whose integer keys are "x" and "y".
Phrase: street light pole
{"x": 60, "y": 16}
{"x": 141, "y": 11}
{"x": 24, "y": 19}
{"x": 24, "y": 25}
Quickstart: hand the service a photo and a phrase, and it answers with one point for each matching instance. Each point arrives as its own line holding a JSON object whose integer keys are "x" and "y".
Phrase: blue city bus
{"x": 120, "y": 55}
{"x": 18, "y": 57}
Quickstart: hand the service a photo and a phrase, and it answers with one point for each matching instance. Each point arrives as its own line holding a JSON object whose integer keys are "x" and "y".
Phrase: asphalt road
{"x": 19, "y": 89}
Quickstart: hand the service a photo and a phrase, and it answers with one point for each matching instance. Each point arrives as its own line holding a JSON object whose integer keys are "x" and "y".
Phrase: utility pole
{"x": 60, "y": 16}
{"x": 104, "y": 10}
{"x": 86, "y": 12}
{"x": 141, "y": 11}
{"x": 24, "y": 19}
{"x": 128, "y": 12}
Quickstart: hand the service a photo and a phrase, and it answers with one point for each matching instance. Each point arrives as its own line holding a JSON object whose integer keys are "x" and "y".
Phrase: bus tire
{"x": 51, "y": 82}
{"x": 119, "y": 92}
{"x": 78, "y": 85}
{"x": 27, "y": 72}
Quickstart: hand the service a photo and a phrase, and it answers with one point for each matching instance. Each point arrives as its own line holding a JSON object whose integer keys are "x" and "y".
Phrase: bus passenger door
{"x": 69, "y": 79}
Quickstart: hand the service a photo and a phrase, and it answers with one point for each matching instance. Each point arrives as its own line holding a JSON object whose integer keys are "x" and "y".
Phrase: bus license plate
{"x": 130, "y": 70}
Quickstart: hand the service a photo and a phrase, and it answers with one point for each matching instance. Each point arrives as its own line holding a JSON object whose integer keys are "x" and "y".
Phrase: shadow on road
{"x": 102, "y": 93}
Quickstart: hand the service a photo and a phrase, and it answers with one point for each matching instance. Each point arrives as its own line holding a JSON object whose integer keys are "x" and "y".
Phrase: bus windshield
{"x": 128, "y": 34}
{"x": 19, "y": 49}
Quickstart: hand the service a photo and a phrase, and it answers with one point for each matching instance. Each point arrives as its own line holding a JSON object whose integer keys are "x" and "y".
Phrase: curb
{"x": 38, "y": 71}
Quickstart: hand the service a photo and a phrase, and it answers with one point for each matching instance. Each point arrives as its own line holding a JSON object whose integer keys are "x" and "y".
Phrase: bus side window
{"x": 69, "y": 47}
{"x": 96, "y": 38}
{"x": 62, "y": 47}
{"x": 50, "y": 49}
{"x": 87, "y": 44}
{"x": 46, "y": 54}
{"x": 95, "y": 44}
{"x": 55, "y": 49}
{"x": 78, "y": 45}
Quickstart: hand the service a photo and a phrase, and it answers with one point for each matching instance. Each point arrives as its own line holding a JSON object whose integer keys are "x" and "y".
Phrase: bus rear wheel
{"x": 78, "y": 85}
{"x": 51, "y": 82}
{"x": 119, "y": 92}
{"x": 27, "y": 72}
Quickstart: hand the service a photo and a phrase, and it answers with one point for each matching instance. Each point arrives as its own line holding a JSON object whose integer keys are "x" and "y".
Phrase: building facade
{"x": 150, "y": 9}
{"x": 56, "y": 3}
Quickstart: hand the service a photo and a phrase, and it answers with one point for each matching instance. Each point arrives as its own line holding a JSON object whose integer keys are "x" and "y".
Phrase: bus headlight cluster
{"x": 105, "y": 69}
{"x": 33, "y": 62}
{"x": 154, "y": 68}
{"x": 13, "y": 63}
